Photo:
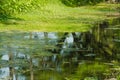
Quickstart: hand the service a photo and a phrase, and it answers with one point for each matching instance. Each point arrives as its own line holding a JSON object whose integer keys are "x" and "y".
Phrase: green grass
{"x": 57, "y": 17}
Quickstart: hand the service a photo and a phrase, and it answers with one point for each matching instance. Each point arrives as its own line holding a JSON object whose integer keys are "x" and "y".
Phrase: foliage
{"x": 8, "y": 7}
{"x": 80, "y": 2}
{"x": 118, "y": 77}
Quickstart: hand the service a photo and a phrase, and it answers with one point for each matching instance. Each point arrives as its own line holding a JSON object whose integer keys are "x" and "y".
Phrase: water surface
{"x": 90, "y": 55}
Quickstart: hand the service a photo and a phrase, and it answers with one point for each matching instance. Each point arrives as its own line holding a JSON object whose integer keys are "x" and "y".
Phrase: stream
{"x": 90, "y": 55}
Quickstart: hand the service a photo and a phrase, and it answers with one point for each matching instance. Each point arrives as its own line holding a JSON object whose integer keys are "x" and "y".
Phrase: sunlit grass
{"x": 57, "y": 17}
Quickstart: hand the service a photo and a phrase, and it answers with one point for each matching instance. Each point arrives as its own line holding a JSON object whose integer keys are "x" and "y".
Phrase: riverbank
{"x": 59, "y": 18}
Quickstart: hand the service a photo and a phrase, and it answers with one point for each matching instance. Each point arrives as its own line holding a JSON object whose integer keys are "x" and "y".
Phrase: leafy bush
{"x": 8, "y": 7}
{"x": 118, "y": 77}
{"x": 74, "y": 3}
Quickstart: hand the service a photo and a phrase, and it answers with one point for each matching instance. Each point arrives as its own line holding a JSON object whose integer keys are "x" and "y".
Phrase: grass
{"x": 56, "y": 17}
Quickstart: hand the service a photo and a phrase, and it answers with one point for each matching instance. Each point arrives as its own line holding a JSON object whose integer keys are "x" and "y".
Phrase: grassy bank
{"x": 55, "y": 16}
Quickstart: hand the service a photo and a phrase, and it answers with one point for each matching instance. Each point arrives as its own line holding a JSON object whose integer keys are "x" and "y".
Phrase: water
{"x": 91, "y": 55}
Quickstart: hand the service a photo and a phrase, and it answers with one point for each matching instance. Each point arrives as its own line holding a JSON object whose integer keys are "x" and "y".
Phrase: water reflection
{"x": 58, "y": 55}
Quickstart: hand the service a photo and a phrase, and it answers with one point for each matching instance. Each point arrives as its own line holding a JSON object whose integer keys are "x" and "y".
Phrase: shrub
{"x": 75, "y": 3}
{"x": 8, "y": 7}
